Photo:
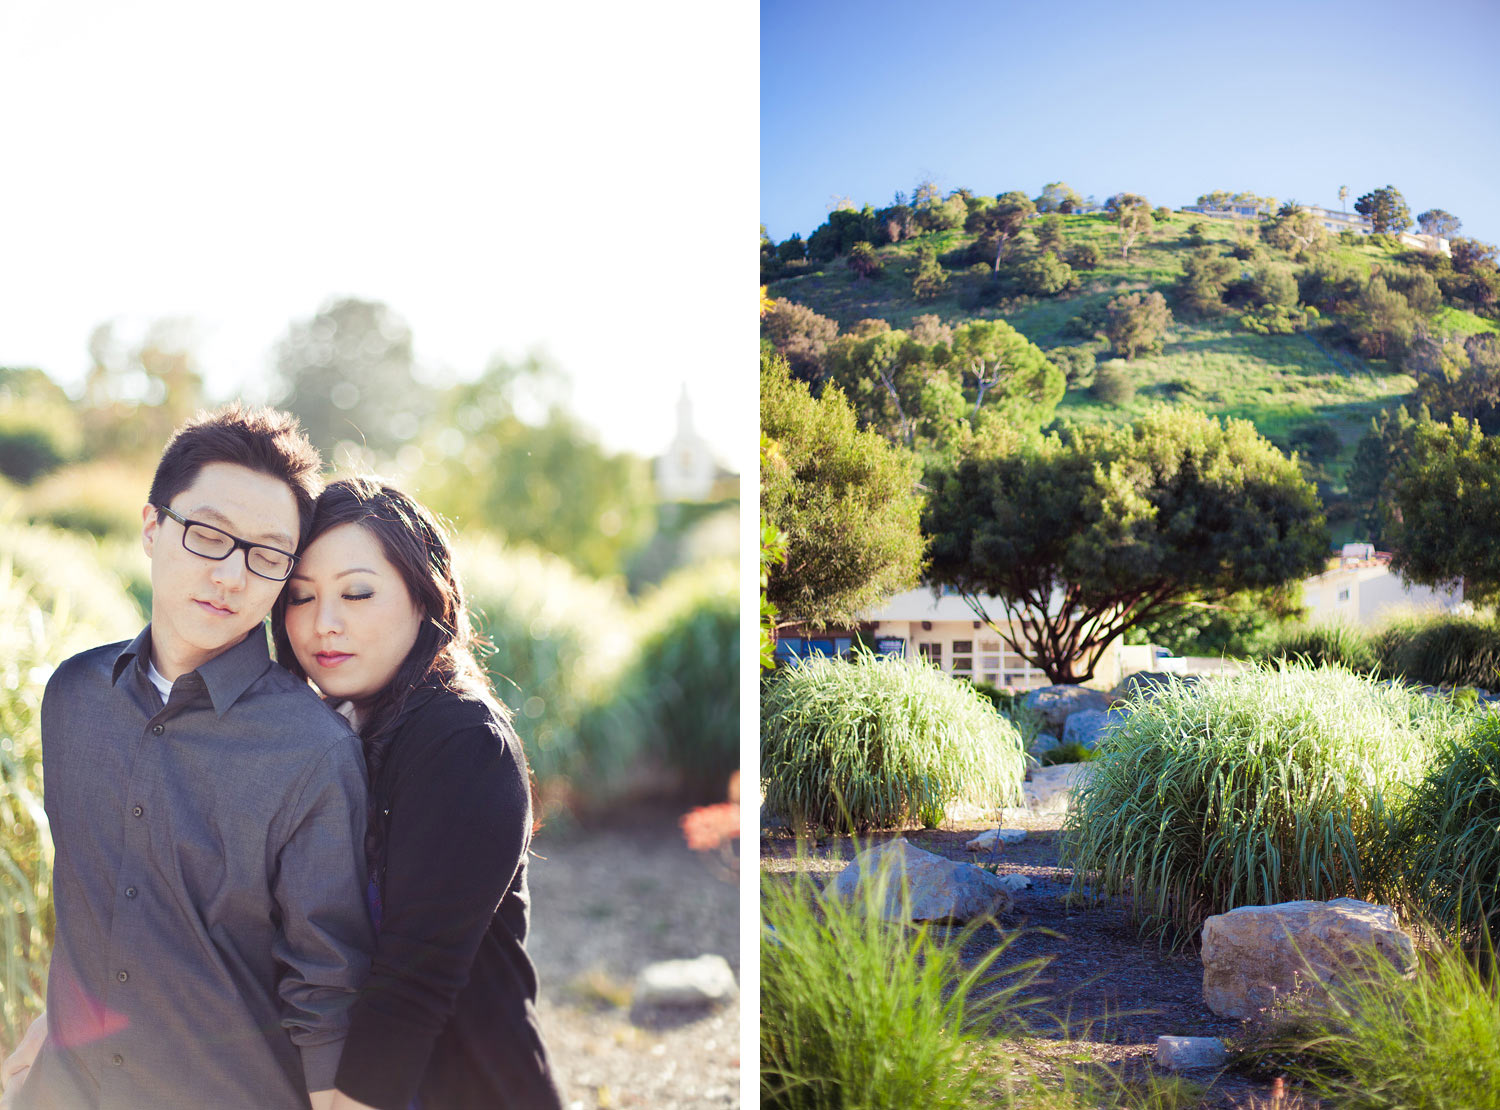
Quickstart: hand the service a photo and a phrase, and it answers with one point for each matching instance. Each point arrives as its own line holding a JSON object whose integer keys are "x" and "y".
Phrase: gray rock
{"x": 708, "y": 980}
{"x": 993, "y": 837}
{"x": 1146, "y": 683}
{"x": 1187, "y": 1053}
{"x": 1050, "y": 789}
{"x": 1042, "y": 743}
{"x": 1255, "y": 954}
{"x": 1057, "y": 703}
{"x": 1089, "y": 726}
{"x": 938, "y": 889}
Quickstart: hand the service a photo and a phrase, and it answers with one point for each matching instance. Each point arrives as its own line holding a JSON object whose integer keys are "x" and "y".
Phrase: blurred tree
{"x": 800, "y": 336}
{"x": 1205, "y": 275}
{"x": 792, "y": 250}
{"x": 136, "y": 395}
{"x": 1132, "y": 215}
{"x": 1385, "y": 209}
{"x": 1437, "y": 222}
{"x": 1381, "y": 450}
{"x": 1058, "y": 197}
{"x": 1137, "y": 323}
{"x": 1044, "y": 275}
{"x": 929, "y": 278}
{"x": 1295, "y": 230}
{"x": 1384, "y": 322}
{"x": 843, "y": 500}
{"x": 1082, "y": 538}
{"x": 1049, "y": 235}
{"x": 863, "y": 261}
{"x": 549, "y": 483}
{"x": 997, "y": 224}
{"x": 347, "y": 375}
{"x": 1008, "y": 369}
{"x": 39, "y": 425}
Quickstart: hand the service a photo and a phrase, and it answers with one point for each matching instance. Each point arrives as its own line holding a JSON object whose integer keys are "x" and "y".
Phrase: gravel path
{"x": 607, "y": 899}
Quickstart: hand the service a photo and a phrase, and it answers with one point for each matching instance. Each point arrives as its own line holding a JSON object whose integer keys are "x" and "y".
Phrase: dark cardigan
{"x": 448, "y": 1013}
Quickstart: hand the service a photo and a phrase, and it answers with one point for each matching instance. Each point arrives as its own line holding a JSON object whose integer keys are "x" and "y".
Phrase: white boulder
{"x": 1050, "y": 789}
{"x": 993, "y": 838}
{"x": 1187, "y": 1053}
{"x": 1255, "y": 954}
{"x": 708, "y": 980}
{"x": 938, "y": 889}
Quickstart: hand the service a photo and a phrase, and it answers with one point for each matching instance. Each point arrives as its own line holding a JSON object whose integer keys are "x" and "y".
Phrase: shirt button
{"x": 137, "y": 811}
{"x": 117, "y": 1059}
{"x": 130, "y": 892}
{"x": 158, "y": 729}
{"x": 123, "y": 976}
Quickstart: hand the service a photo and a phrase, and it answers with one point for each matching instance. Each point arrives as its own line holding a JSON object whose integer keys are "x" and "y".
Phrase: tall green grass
{"x": 880, "y": 743}
{"x": 1449, "y": 837}
{"x": 857, "y": 1013}
{"x": 1441, "y": 650}
{"x": 1269, "y": 786}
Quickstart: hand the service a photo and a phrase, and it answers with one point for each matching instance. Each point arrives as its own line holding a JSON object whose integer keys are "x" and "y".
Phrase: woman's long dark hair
{"x": 415, "y": 544}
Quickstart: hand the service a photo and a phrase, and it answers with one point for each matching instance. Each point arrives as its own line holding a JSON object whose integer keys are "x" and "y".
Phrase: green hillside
{"x": 1290, "y": 386}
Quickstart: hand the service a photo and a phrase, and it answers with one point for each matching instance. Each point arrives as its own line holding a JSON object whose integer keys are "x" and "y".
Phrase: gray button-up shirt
{"x": 209, "y": 884}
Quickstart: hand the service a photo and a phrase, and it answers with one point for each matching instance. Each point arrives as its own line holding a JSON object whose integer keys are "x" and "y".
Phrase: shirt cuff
{"x": 320, "y": 1063}
{"x": 385, "y": 1061}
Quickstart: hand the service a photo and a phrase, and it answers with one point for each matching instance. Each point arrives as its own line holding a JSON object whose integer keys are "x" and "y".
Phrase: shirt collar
{"x": 227, "y": 675}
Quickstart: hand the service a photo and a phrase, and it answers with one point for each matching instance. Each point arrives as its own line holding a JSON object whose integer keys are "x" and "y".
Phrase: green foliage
{"x": 800, "y": 336}
{"x": 677, "y": 698}
{"x": 1384, "y": 322}
{"x": 559, "y": 642}
{"x": 1058, "y": 197}
{"x": 1071, "y": 752}
{"x": 1277, "y": 319}
{"x": 881, "y": 743}
{"x": 1296, "y": 231}
{"x": 1049, "y": 234}
{"x": 930, "y": 278}
{"x": 1205, "y": 275}
{"x": 1265, "y": 787}
{"x": 1127, "y": 521}
{"x": 1137, "y": 323}
{"x": 1083, "y": 256}
{"x": 844, "y": 499}
{"x": 103, "y": 498}
{"x": 862, "y": 260}
{"x": 1458, "y": 377}
{"x": 1391, "y": 1040}
{"x": 1326, "y": 645}
{"x": 998, "y": 223}
{"x": 772, "y": 553}
{"x": 1449, "y": 837}
{"x": 1381, "y": 450}
{"x": 1441, "y": 649}
{"x": 1132, "y": 216}
{"x": 858, "y": 1013}
{"x": 1437, "y": 222}
{"x": 1239, "y": 626}
{"x": 1076, "y": 363}
{"x": 1446, "y": 497}
{"x": 1386, "y": 209}
{"x": 1113, "y": 384}
{"x": 32, "y": 443}
{"x": 1045, "y": 275}
{"x": 1011, "y": 375}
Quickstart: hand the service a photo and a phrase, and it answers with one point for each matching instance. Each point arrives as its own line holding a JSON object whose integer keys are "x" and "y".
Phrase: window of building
{"x": 1344, "y": 595}
{"x": 963, "y": 658}
{"x": 988, "y": 667}
{"x": 931, "y": 653}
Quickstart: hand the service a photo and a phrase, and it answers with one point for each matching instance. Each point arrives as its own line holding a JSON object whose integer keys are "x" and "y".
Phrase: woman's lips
{"x": 328, "y": 659}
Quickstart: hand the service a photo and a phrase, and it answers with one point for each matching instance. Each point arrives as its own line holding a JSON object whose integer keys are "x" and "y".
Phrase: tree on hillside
{"x": 1458, "y": 377}
{"x": 1000, "y": 360}
{"x": 1082, "y": 538}
{"x": 1137, "y": 323}
{"x": 1385, "y": 209}
{"x": 1044, "y": 275}
{"x": 1437, "y": 222}
{"x": 1132, "y": 215}
{"x": 929, "y": 279}
{"x": 1058, "y": 197}
{"x": 997, "y": 224}
{"x": 1383, "y": 323}
{"x": 800, "y": 336}
{"x": 1378, "y": 454}
{"x": 1049, "y": 235}
{"x": 1205, "y": 275}
{"x": 1445, "y": 499}
{"x": 1295, "y": 230}
{"x": 863, "y": 262}
{"x": 844, "y": 501}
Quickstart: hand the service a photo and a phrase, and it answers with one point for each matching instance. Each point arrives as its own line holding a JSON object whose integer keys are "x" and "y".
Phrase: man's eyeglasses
{"x": 214, "y": 543}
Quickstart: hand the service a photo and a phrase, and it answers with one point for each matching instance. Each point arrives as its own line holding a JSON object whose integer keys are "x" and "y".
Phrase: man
{"x": 207, "y": 812}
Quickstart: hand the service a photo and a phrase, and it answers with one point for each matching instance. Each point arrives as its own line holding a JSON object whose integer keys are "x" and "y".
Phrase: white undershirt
{"x": 158, "y": 680}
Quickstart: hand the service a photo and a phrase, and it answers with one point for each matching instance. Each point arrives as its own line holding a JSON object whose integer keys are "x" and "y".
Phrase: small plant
{"x": 1266, "y": 787}
{"x": 1071, "y": 752}
{"x": 858, "y": 1013}
{"x": 879, "y": 743}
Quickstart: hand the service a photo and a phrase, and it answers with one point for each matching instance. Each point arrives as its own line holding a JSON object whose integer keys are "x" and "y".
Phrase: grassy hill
{"x": 1282, "y": 384}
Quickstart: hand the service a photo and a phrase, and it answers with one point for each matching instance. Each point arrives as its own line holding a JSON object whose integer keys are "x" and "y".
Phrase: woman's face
{"x": 349, "y": 616}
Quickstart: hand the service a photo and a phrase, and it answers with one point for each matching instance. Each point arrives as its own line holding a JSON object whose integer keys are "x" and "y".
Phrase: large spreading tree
{"x": 1386, "y": 210}
{"x": 844, "y": 501}
{"x": 1081, "y": 537}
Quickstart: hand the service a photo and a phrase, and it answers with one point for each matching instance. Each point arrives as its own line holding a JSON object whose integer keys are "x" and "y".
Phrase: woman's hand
{"x": 18, "y": 1064}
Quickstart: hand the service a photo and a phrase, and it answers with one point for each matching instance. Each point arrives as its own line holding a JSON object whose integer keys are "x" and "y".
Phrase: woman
{"x": 374, "y": 617}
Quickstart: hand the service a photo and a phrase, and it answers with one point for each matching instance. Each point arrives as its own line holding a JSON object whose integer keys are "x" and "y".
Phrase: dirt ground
{"x": 1115, "y": 993}
{"x": 607, "y": 899}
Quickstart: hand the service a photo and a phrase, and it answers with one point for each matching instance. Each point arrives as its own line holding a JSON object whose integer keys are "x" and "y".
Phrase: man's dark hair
{"x": 266, "y": 440}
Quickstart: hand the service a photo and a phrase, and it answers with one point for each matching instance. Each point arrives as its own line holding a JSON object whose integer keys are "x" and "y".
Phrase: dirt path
{"x": 607, "y": 900}
{"x": 1115, "y": 993}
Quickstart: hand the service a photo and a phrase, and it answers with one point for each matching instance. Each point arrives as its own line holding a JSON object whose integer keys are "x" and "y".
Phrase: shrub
{"x": 1449, "y": 837}
{"x": 35, "y": 436}
{"x": 678, "y": 696}
{"x": 1441, "y": 650}
{"x": 857, "y": 1013}
{"x": 103, "y": 498}
{"x": 863, "y": 261}
{"x": 1044, "y": 275}
{"x": 559, "y": 641}
{"x": 1137, "y": 323}
{"x": 879, "y": 743}
{"x": 71, "y": 576}
{"x": 1076, "y": 363}
{"x": 929, "y": 279}
{"x": 1071, "y": 752}
{"x": 1326, "y": 645}
{"x": 1083, "y": 256}
{"x": 1113, "y": 384}
{"x": 1266, "y": 787}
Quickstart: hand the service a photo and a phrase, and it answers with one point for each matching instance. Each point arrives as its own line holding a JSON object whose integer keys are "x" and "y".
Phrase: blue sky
{"x": 1167, "y": 99}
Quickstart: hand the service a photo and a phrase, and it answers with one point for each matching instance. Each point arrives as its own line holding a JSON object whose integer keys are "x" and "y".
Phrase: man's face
{"x": 200, "y": 607}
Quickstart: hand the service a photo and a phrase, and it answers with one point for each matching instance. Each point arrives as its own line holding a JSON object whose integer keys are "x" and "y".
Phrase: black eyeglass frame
{"x": 237, "y": 545}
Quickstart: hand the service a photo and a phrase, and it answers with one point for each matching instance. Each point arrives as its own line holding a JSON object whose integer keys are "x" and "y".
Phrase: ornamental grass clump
{"x": 881, "y": 743}
{"x": 1441, "y": 649}
{"x": 1448, "y": 837}
{"x": 858, "y": 1013}
{"x": 1270, "y": 786}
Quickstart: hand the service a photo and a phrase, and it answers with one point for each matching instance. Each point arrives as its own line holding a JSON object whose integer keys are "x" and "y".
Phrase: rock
{"x": 939, "y": 889}
{"x": 1050, "y": 787}
{"x": 1255, "y": 954}
{"x": 1057, "y": 703}
{"x": 1042, "y": 743}
{"x": 1187, "y": 1053}
{"x": 1014, "y": 883}
{"x": 1147, "y": 683}
{"x": 994, "y": 837}
{"x": 708, "y": 980}
{"x": 960, "y": 812}
{"x": 1089, "y": 726}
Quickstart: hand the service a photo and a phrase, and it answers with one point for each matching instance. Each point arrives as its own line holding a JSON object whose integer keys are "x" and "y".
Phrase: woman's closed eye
{"x": 298, "y": 600}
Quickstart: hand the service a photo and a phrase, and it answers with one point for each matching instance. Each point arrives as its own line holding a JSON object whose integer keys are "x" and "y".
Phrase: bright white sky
{"x": 576, "y": 178}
